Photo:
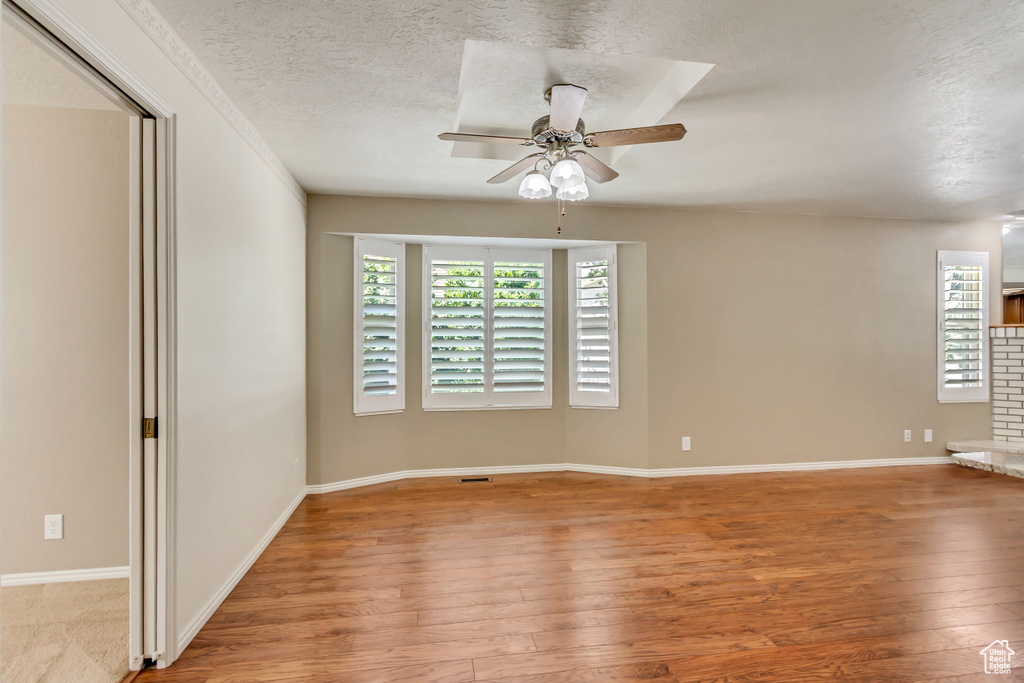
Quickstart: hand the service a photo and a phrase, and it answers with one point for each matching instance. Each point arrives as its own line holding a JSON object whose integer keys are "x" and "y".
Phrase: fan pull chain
{"x": 561, "y": 214}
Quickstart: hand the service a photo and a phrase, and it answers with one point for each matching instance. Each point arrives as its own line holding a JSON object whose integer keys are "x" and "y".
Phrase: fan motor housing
{"x": 543, "y": 133}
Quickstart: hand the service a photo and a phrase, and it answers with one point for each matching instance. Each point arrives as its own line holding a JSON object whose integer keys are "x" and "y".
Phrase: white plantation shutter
{"x": 486, "y": 339}
{"x": 963, "y": 326}
{"x": 458, "y": 320}
{"x": 519, "y": 326}
{"x": 593, "y": 328}
{"x": 379, "y": 342}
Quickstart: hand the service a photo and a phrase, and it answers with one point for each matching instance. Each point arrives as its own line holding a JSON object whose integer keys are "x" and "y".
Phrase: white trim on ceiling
{"x": 161, "y": 33}
{"x": 315, "y": 489}
{"x": 492, "y": 242}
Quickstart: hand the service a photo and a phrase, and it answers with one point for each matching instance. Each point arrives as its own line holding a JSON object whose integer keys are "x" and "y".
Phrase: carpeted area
{"x": 65, "y": 632}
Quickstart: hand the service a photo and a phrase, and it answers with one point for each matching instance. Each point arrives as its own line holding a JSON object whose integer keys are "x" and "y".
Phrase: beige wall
{"x": 241, "y": 427}
{"x": 65, "y": 432}
{"x": 340, "y": 444}
{"x": 765, "y": 338}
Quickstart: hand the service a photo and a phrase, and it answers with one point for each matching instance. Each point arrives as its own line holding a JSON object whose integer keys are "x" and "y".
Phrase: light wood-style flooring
{"x": 884, "y": 574}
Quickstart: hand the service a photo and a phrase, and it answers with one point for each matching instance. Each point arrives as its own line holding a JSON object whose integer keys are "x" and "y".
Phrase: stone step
{"x": 981, "y": 445}
{"x": 1011, "y": 464}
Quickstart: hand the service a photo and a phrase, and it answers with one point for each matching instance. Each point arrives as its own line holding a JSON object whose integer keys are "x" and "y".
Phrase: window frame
{"x": 363, "y": 404}
{"x": 979, "y": 394}
{"x": 582, "y": 399}
{"x": 487, "y": 399}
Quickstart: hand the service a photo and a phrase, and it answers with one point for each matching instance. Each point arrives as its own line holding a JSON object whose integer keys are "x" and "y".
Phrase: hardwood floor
{"x": 886, "y": 574}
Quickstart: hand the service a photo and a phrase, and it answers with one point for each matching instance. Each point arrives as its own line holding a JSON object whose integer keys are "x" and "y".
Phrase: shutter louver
{"x": 379, "y": 328}
{"x": 593, "y": 327}
{"x": 593, "y": 334}
{"x": 963, "y": 326}
{"x": 457, "y": 326}
{"x": 380, "y": 325}
{"x": 518, "y": 327}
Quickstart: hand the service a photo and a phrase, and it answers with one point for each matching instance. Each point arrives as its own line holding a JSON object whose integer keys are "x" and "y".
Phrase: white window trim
{"x": 580, "y": 399}
{"x": 962, "y": 394}
{"x": 390, "y": 403}
{"x": 486, "y": 400}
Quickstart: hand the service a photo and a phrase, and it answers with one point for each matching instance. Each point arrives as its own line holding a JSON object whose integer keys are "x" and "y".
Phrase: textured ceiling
{"x": 496, "y": 100}
{"x": 33, "y": 77}
{"x": 860, "y": 107}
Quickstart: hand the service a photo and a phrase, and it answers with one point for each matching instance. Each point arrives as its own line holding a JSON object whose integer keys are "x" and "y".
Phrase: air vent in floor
{"x": 473, "y": 480}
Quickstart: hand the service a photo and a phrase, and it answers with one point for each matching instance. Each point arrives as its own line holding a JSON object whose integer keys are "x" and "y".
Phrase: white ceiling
{"x": 860, "y": 107}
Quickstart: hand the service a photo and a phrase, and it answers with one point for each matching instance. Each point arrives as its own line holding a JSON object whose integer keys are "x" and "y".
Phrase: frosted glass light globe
{"x": 574, "y": 193}
{"x": 567, "y": 173}
{"x": 535, "y": 186}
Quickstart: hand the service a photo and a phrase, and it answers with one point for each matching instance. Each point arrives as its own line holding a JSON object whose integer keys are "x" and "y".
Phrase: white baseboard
{"x": 625, "y": 471}
{"x": 30, "y": 578}
{"x": 190, "y": 631}
{"x": 420, "y": 474}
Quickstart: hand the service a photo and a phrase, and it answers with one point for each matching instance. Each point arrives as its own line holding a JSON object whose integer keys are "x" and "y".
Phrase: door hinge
{"x": 149, "y": 427}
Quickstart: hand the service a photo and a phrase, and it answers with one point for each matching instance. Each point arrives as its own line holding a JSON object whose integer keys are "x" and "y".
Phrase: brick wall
{"x": 1007, "y": 383}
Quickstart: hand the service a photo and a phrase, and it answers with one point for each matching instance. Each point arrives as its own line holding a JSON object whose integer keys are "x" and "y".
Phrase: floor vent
{"x": 473, "y": 480}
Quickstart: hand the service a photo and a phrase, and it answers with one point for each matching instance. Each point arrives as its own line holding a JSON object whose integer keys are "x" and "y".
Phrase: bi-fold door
{"x": 150, "y": 478}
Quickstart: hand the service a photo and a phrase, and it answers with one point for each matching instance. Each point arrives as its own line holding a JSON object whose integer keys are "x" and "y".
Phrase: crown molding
{"x": 161, "y": 33}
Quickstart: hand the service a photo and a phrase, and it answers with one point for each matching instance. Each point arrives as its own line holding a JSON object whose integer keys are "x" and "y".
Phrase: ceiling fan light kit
{"x": 558, "y": 133}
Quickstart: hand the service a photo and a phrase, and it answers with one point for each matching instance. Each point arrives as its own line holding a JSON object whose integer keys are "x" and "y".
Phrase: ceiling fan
{"x": 559, "y": 133}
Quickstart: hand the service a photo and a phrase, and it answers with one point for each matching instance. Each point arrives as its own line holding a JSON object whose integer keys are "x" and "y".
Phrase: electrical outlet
{"x": 686, "y": 443}
{"x": 927, "y": 436}
{"x": 54, "y": 526}
{"x": 906, "y": 435}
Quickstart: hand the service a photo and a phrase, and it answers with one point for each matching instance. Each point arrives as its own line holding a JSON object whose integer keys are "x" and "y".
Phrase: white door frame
{"x": 154, "y": 310}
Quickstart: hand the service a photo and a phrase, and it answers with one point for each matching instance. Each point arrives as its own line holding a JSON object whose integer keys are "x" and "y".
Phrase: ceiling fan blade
{"x": 595, "y": 169}
{"x": 515, "y": 169}
{"x": 635, "y": 136}
{"x": 566, "y": 104}
{"x": 499, "y": 139}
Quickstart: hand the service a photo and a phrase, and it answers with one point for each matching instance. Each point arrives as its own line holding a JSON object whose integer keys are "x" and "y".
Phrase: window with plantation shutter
{"x": 487, "y": 335}
{"x": 963, "y": 326}
{"x": 593, "y": 328}
{"x": 379, "y": 341}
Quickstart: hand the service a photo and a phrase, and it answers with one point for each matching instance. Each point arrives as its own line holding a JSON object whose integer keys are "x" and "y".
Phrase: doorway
{"x": 1013, "y": 269}
{"x": 83, "y": 507}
